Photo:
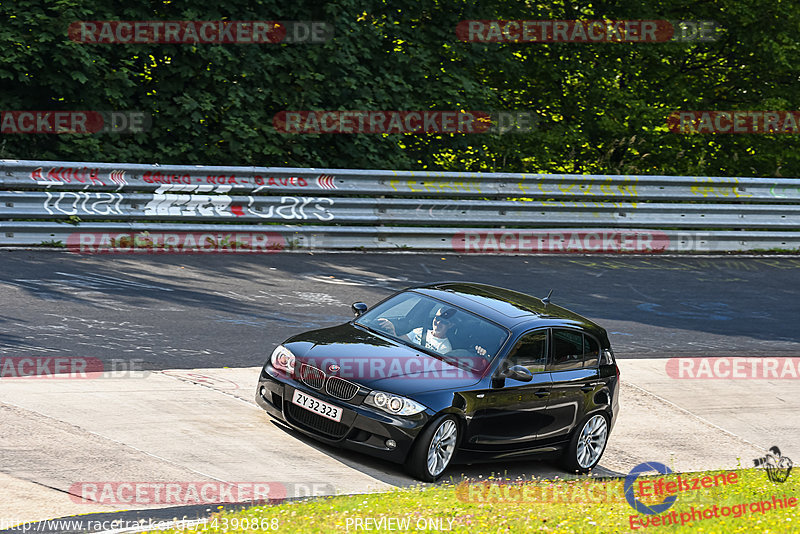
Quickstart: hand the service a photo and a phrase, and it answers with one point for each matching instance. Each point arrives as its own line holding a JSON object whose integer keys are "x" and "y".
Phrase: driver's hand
{"x": 480, "y": 350}
{"x": 387, "y": 325}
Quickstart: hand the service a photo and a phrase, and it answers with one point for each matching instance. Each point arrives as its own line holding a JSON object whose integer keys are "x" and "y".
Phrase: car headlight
{"x": 282, "y": 359}
{"x": 393, "y": 404}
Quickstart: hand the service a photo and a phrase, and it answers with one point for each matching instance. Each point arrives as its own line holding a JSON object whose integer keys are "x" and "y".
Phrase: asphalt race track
{"x": 193, "y": 329}
{"x": 186, "y": 312}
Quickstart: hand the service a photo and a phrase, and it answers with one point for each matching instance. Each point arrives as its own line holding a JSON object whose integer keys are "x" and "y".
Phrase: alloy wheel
{"x": 442, "y": 447}
{"x": 592, "y": 441}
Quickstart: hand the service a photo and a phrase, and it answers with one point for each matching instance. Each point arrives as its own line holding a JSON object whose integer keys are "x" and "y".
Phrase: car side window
{"x": 591, "y": 351}
{"x": 567, "y": 350}
{"x": 530, "y": 352}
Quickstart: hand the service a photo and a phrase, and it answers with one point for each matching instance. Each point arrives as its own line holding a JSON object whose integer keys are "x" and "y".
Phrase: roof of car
{"x": 504, "y": 306}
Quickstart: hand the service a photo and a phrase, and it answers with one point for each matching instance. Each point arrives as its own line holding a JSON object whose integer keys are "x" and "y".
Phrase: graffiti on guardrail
{"x": 708, "y": 188}
{"x": 58, "y": 175}
{"x": 582, "y": 241}
{"x": 323, "y": 181}
{"x": 159, "y": 178}
{"x": 427, "y": 186}
{"x": 83, "y": 175}
{"x": 95, "y": 176}
{"x": 180, "y": 204}
{"x": 609, "y": 187}
{"x": 190, "y": 205}
{"x": 567, "y": 187}
{"x": 776, "y": 192}
{"x": 508, "y": 212}
{"x": 164, "y": 203}
{"x": 294, "y": 208}
{"x": 74, "y": 202}
{"x": 118, "y": 177}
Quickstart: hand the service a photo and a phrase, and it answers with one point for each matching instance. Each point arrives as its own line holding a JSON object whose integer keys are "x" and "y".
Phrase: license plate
{"x": 317, "y": 406}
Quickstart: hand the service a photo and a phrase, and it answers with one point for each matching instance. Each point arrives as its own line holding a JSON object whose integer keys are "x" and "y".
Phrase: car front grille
{"x": 311, "y": 376}
{"x": 316, "y": 423}
{"x": 341, "y": 388}
{"x": 334, "y": 386}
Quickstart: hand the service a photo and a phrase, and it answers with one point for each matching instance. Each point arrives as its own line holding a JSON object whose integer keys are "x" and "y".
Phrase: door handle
{"x": 589, "y": 387}
{"x": 542, "y": 393}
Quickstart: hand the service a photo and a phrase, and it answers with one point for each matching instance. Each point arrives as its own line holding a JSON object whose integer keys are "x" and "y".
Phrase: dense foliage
{"x": 602, "y": 108}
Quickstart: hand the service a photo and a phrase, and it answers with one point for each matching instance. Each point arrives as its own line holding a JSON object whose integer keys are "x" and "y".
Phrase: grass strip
{"x": 539, "y": 505}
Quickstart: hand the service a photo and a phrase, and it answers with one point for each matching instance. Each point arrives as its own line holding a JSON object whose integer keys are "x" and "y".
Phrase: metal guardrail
{"x": 240, "y": 180}
{"x": 282, "y": 209}
{"x": 362, "y": 209}
{"x": 159, "y": 238}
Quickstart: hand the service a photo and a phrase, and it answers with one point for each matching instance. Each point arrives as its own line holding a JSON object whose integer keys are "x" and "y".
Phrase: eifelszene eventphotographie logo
{"x": 778, "y": 467}
{"x": 630, "y": 496}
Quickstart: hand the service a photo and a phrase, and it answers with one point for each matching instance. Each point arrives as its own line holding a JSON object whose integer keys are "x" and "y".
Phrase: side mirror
{"x": 517, "y": 372}
{"x": 358, "y": 308}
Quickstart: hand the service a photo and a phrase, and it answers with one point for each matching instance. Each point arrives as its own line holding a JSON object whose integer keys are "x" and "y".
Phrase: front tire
{"x": 587, "y": 444}
{"x": 433, "y": 449}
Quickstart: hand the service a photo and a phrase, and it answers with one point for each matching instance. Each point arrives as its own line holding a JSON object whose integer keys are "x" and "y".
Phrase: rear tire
{"x": 433, "y": 449}
{"x": 587, "y": 444}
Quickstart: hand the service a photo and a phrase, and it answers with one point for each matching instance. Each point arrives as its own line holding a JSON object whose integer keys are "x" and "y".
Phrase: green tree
{"x": 602, "y": 108}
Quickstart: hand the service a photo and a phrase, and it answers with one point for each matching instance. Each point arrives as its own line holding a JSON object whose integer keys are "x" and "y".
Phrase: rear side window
{"x": 573, "y": 350}
{"x": 591, "y": 351}
{"x": 567, "y": 350}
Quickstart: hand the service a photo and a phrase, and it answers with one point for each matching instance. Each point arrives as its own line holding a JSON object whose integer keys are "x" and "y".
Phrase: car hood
{"x": 356, "y": 354}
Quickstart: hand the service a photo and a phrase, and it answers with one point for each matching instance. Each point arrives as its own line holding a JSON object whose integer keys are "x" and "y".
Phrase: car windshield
{"x": 452, "y": 332}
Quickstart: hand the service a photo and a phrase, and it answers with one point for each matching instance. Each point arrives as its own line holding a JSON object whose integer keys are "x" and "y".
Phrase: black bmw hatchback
{"x": 451, "y": 372}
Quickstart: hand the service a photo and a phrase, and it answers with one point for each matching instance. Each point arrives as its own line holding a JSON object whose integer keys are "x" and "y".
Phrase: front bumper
{"x": 362, "y": 428}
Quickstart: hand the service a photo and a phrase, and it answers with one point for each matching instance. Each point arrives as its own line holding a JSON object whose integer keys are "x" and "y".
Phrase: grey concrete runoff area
{"x": 194, "y": 330}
